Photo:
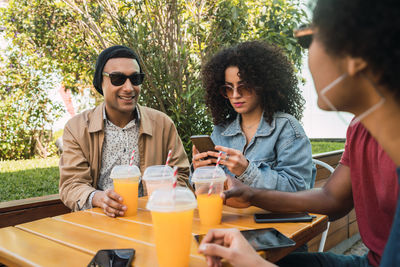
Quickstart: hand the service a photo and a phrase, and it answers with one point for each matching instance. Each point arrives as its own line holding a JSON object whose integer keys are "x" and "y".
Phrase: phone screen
{"x": 113, "y": 257}
{"x": 203, "y": 143}
{"x": 263, "y": 239}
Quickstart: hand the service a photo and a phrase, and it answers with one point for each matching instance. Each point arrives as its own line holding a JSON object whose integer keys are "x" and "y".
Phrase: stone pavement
{"x": 353, "y": 245}
{"x": 357, "y": 249}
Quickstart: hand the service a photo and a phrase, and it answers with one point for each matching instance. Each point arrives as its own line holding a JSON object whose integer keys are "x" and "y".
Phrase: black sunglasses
{"x": 304, "y": 36}
{"x": 118, "y": 79}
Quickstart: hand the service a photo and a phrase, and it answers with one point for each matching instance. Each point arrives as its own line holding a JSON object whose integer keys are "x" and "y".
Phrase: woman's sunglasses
{"x": 304, "y": 36}
{"x": 243, "y": 90}
{"x": 118, "y": 79}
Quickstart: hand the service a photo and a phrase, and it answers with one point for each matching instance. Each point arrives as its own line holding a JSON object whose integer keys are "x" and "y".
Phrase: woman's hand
{"x": 233, "y": 159}
{"x": 110, "y": 202}
{"x": 232, "y": 246}
{"x": 199, "y": 159}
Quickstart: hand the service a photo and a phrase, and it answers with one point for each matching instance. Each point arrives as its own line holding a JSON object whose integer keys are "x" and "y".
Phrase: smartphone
{"x": 283, "y": 217}
{"x": 203, "y": 143}
{"x": 113, "y": 258}
{"x": 263, "y": 239}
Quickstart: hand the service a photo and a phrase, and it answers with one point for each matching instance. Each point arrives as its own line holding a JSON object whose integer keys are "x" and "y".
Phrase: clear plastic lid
{"x": 125, "y": 171}
{"x": 208, "y": 174}
{"x": 167, "y": 200}
{"x": 158, "y": 172}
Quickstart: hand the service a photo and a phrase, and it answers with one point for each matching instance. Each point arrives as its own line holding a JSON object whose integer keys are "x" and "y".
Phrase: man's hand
{"x": 110, "y": 202}
{"x": 238, "y": 194}
{"x": 232, "y": 246}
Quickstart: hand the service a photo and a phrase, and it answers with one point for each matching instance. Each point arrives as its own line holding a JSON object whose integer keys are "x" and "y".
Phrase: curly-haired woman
{"x": 254, "y": 100}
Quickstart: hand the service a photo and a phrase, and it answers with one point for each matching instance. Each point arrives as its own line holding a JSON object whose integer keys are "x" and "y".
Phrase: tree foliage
{"x": 26, "y": 110}
{"x": 172, "y": 38}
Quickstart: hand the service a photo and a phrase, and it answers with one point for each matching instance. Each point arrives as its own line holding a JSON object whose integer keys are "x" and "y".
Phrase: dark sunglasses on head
{"x": 118, "y": 79}
{"x": 304, "y": 36}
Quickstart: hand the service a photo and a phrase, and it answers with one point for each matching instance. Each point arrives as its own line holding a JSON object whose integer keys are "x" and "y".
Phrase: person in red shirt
{"x": 365, "y": 179}
{"x": 374, "y": 186}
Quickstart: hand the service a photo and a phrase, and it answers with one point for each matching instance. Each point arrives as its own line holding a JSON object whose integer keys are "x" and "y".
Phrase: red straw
{"x": 215, "y": 172}
{"x": 175, "y": 177}
{"x": 132, "y": 157}
{"x": 167, "y": 162}
{"x": 168, "y": 157}
{"x": 218, "y": 160}
{"x": 210, "y": 189}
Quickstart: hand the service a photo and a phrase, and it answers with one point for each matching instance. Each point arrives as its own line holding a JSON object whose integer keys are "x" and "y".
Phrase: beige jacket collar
{"x": 96, "y": 123}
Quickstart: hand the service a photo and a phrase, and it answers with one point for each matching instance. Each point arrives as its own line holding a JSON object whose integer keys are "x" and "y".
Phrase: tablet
{"x": 263, "y": 239}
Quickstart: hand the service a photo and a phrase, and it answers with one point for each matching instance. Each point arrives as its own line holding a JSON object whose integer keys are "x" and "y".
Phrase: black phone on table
{"x": 203, "y": 143}
{"x": 263, "y": 239}
{"x": 113, "y": 258}
{"x": 283, "y": 217}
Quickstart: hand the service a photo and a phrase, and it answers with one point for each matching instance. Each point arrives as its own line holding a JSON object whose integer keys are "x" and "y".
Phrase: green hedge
{"x": 323, "y": 146}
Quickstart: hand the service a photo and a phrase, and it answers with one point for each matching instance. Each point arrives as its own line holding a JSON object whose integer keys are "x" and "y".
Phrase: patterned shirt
{"x": 117, "y": 150}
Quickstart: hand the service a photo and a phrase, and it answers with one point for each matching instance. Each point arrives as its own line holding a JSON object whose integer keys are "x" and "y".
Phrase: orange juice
{"x": 209, "y": 183}
{"x": 127, "y": 188}
{"x": 210, "y": 208}
{"x": 173, "y": 233}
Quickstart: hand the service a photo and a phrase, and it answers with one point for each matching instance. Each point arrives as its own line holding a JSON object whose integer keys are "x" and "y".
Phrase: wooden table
{"x": 72, "y": 239}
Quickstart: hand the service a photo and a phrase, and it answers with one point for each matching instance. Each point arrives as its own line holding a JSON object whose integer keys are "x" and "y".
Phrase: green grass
{"x": 28, "y": 178}
{"x": 323, "y": 146}
{"x": 38, "y": 177}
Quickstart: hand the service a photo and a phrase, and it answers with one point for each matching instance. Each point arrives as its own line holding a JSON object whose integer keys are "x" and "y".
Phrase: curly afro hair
{"x": 369, "y": 29}
{"x": 262, "y": 67}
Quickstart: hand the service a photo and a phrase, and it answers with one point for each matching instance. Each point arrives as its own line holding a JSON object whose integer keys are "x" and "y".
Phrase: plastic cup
{"x": 209, "y": 183}
{"x": 158, "y": 176}
{"x": 126, "y": 184}
{"x": 172, "y": 215}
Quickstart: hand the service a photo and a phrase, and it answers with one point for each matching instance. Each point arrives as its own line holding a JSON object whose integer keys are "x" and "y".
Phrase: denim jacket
{"x": 279, "y": 154}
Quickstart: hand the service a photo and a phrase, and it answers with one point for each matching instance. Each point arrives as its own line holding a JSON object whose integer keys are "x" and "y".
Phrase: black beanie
{"x": 117, "y": 51}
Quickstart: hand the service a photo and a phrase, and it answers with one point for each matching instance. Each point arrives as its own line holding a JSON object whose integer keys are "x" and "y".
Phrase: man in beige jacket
{"x": 98, "y": 139}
